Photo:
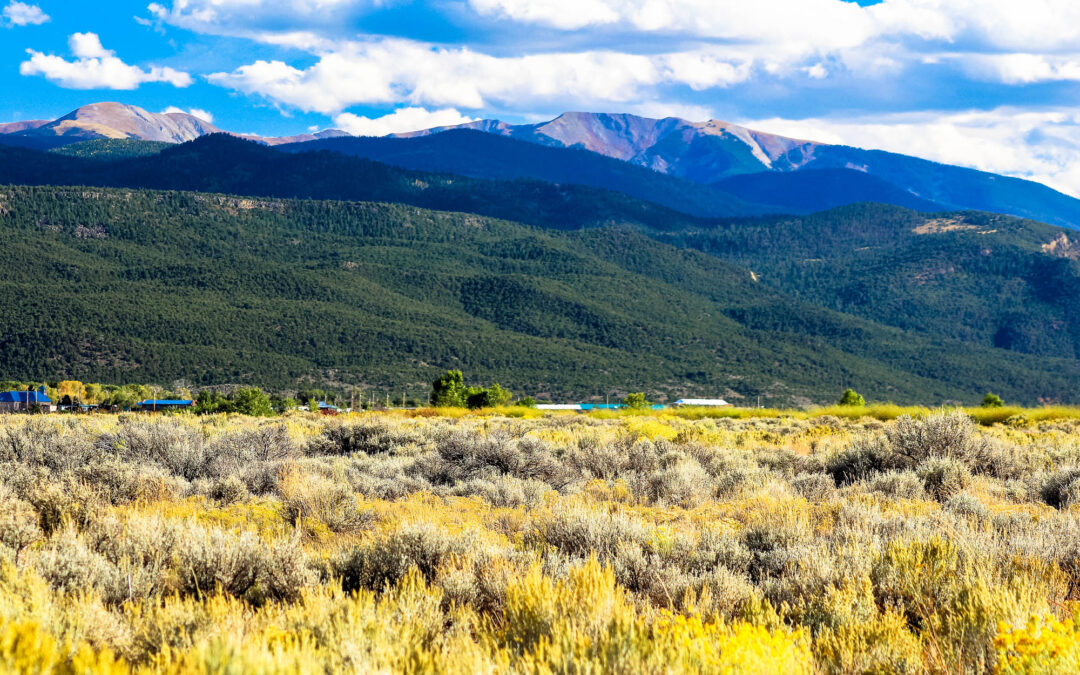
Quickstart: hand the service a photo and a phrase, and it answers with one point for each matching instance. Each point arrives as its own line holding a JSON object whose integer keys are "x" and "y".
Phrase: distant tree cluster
{"x": 246, "y": 401}
{"x": 852, "y": 398}
{"x": 450, "y": 391}
{"x": 74, "y": 392}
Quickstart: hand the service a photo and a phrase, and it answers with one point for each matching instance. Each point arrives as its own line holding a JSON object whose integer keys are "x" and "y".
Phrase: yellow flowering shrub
{"x": 1041, "y": 645}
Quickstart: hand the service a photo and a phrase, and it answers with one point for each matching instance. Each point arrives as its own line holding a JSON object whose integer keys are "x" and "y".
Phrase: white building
{"x": 703, "y": 402}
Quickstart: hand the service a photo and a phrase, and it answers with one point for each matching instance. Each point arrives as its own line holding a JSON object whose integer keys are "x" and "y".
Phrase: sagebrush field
{"x": 482, "y": 543}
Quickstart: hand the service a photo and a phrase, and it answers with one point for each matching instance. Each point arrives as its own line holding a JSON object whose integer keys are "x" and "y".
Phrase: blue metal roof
{"x": 166, "y": 402}
{"x": 24, "y": 397}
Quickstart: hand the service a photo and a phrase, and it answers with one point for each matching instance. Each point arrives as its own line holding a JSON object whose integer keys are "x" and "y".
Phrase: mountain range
{"x": 722, "y": 170}
{"x": 527, "y": 256}
{"x": 120, "y": 121}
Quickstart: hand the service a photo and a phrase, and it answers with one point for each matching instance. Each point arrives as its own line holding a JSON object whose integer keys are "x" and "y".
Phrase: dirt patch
{"x": 1063, "y": 247}
{"x": 933, "y": 271}
{"x": 942, "y": 225}
{"x": 91, "y": 232}
{"x": 234, "y": 205}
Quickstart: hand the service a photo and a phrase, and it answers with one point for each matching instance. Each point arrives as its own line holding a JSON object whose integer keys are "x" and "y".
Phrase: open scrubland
{"x": 472, "y": 543}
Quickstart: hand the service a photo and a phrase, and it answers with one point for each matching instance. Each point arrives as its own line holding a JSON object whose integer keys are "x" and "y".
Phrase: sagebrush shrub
{"x": 228, "y": 490}
{"x": 814, "y": 486}
{"x": 685, "y": 484}
{"x": 943, "y": 477}
{"x": 967, "y": 505}
{"x": 56, "y": 445}
{"x": 209, "y": 560}
{"x": 70, "y": 566}
{"x": 63, "y": 502}
{"x": 384, "y": 561}
{"x": 950, "y": 434}
{"x": 233, "y": 453}
{"x": 181, "y": 450}
{"x": 862, "y": 459}
{"x": 366, "y": 438}
{"x": 582, "y": 531}
{"x": 462, "y": 457}
{"x": 18, "y": 523}
{"x": 898, "y": 485}
{"x": 1057, "y": 488}
{"x": 310, "y": 496}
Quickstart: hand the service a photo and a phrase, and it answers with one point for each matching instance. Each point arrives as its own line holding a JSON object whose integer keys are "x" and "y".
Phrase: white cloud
{"x": 1041, "y": 145}
{"x": 1022, "y": 68}
{"x": 251, "y": 17}
{"x": 1001, "y": 41}
{"x": 703, "y": 69}
{"x": 22, "y": 14}
{"x": 194, "y": 112}
{"x": 399, "y": 121}
{"x": 95, "y": 67}
{"x": 395, "y": 71}
{"x": 822, "y": 24}
{"x": 88, "y": 46}
{"x": 563, "y": 14}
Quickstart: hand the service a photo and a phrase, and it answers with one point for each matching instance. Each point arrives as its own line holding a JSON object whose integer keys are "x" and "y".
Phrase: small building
{"x": 162, "y": 405}
{"x": 580, "y": 407}
{"x": 22, "y": 401}
{"x": 702, "y": 403}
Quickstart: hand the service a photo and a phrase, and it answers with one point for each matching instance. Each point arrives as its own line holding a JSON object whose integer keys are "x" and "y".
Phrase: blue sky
{"x": 986, "y": 83}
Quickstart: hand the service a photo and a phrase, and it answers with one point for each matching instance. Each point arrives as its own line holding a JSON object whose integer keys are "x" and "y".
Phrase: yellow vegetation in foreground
{"x": 539, "y": 544}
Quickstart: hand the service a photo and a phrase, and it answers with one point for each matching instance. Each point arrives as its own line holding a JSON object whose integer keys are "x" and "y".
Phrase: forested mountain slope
{"x": 121, "y": 285}
{"x": 473, "y": 153}
{"x": 987, "y": 279}
{"x": 221, "y": 163}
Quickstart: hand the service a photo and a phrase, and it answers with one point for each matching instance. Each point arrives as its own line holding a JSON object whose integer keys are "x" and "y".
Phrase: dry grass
{"x": 704, "y": 541}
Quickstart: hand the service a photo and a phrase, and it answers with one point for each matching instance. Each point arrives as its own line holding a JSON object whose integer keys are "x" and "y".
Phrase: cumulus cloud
{"x": 995, "y": 40}
{"x": 194, "y": 112}
{"x": 393, "y": 71}
{"x": 1041, "y": 145}
{"x": 22, "y": 14}
{"x": 95, "y": 67}
{"x": 1023, "y": 68}
{"x": 252, "y": 17}
{"x": 826, "y": 24}
{"x": 563, "y": 14}
{"x": 399, "y": 121}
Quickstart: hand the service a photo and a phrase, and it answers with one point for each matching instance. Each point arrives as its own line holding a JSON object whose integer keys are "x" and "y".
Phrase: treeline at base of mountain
{"x": 449, "y": 390}
{"x": 153, "y": 286}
